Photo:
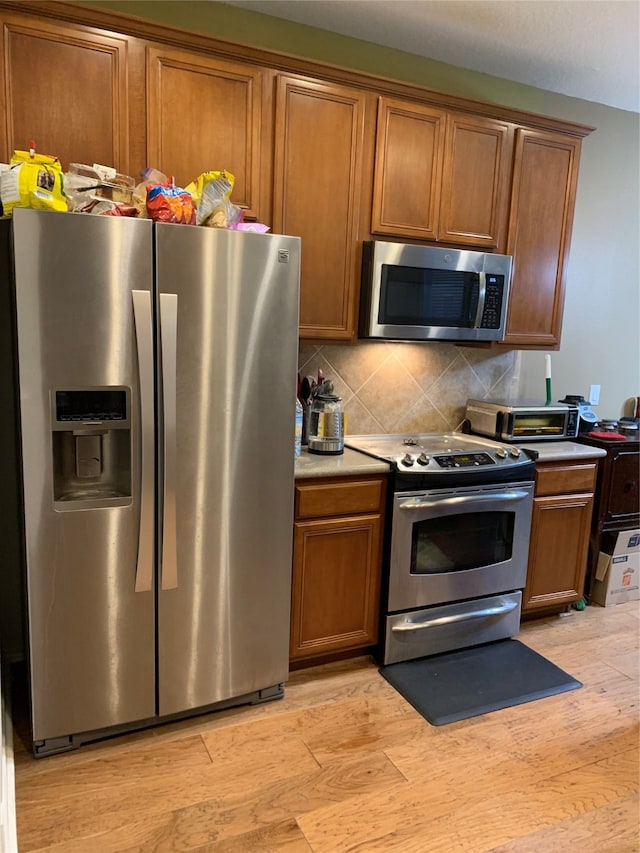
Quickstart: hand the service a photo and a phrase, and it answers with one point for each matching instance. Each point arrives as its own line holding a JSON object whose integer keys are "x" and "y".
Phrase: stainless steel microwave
{"x": 421, "y": 293}
{"x": 525, "y": 420}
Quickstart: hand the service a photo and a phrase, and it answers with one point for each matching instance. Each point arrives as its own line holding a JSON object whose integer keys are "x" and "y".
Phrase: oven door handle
{"x": 497, "y": 610}
{"x": 463, "y": 500}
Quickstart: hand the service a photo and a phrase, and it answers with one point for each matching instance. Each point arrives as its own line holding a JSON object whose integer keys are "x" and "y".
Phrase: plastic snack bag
{"x": 223, "y": 182}
{"x": 32, "y": 180}
{"x": 149, "y": 176}
{"x": 211, "y": 193}
{"x": 255, "y": 227}
{"x": 84, "y": 185}
{"x": 169, "y": 203}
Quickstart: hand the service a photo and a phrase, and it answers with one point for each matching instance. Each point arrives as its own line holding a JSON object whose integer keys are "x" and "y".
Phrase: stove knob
{"x": 515, "y": 451}
{"x": 423, "y": 459}
{"x": 501, "y": 452}
{"x": 407, "y": 460}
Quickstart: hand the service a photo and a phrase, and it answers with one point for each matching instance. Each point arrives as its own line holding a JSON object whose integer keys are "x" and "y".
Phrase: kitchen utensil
{"x": 307, "y": 387}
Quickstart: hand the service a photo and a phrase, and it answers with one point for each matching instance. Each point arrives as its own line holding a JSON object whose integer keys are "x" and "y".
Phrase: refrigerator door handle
{"x": 144, "y": 344}
{"x": 169, "y": 336}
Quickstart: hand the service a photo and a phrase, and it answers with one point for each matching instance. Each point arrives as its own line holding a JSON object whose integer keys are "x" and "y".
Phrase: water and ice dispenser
{"x": 91, "y": 441}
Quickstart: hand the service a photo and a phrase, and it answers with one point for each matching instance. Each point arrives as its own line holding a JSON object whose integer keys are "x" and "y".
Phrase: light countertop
{"x": 352, "y": 462}
{"x": 551, "y": 451}
{"x": 346, "y": 464}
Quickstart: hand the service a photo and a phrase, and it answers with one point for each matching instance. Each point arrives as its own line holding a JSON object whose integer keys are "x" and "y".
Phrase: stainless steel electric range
{"x": 457, "y": 540}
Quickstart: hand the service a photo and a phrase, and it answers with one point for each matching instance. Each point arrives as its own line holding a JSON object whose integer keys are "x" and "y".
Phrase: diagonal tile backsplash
{"x": 402, "y": 387}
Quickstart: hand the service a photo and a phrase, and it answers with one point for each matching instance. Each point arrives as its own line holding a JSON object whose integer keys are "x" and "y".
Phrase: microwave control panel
{"x": 493, "y": 302}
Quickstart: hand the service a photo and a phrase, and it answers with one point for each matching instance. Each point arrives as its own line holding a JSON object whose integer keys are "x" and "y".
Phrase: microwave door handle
{"x": 482, "y": 295}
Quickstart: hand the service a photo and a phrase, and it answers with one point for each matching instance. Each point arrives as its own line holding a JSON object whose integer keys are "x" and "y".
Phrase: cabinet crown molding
{"x": 118, "y": 22}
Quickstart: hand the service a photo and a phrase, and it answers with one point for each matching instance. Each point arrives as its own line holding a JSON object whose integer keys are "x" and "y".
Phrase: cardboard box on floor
{"x": 617, "y": 577}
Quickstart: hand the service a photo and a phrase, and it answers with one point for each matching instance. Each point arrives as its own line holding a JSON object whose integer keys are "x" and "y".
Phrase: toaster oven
{"x": 525, "y": 420}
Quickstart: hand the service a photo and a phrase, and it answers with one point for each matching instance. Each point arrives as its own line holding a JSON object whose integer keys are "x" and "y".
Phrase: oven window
{"x": 459, "y": 542}
{"x": 549, "y": 423}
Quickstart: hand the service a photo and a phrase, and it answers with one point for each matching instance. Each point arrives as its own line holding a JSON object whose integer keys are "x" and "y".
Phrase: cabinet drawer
{"x": 557, "y": 478}
{"x": 317, "y": 500}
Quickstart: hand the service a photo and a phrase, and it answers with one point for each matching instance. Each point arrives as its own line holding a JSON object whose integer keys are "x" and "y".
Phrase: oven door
{"x": 453, "y": 545}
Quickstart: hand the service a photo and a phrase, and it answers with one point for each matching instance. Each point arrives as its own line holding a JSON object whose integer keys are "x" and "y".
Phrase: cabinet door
{"x": 407, "y": 178}
{"x": 203, "y": 114}
{"x": 66, "y": 88}
{"x": 622, "y": 496}
{"x": 540, "y": 220}
{"x": 558, "y": 550}
{"x": 477, "y": 160}
{"x": 336, "y": 585}
{"x": 317, "y": 189}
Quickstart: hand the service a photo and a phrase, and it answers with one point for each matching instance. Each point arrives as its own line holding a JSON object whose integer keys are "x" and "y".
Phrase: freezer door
{"x": 228, "y": 305}
{"x": 85, "y": 456}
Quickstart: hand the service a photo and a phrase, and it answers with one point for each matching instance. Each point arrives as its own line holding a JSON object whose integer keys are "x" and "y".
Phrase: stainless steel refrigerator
{"x": 150, "y": 504}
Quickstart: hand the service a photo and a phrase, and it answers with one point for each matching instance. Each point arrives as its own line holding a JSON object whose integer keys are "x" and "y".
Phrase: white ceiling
{"x": 584, "y": 48}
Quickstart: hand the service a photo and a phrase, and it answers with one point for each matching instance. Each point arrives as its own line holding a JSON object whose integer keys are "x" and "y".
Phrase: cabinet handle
{"x": 629, "y": 486}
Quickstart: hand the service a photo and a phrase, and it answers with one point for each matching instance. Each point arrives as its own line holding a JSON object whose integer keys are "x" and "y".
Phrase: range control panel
{"x": 464, "y": 460}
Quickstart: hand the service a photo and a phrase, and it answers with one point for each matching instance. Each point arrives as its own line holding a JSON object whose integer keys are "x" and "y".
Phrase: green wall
{"x": 239, "y": 25}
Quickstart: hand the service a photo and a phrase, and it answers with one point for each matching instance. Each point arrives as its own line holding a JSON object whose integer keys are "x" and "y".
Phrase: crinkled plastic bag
{"x": 169, "y": 203}
{"x": 255, "y": 227}
{"x": 149, "y": 176}
{"x": 222, "y": 180}
{"x": 86, "y": 185}
{"x": 33, "y": 180}
{"x": 211, "y": 193}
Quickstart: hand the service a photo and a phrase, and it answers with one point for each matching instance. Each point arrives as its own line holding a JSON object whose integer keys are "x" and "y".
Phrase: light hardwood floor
{"x": 343, "y": 763}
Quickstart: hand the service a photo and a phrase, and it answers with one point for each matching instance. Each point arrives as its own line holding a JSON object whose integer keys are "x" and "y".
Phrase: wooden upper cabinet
{"x": 408, "y": 169}
{"x": 317, "y": 196}
{"x": 65, "y": 88}
{"x": 475, "y": 181}
{"x": 440, "y": 175}
{"x": 541, "y": 215}
{"x": 206, "y": 113}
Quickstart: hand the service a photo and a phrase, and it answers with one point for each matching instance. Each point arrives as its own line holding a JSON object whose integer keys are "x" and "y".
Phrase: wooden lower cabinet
{"x": 617, "y": 498}
{"x": 337, "y": 558}
{"x": 558, "y": 551}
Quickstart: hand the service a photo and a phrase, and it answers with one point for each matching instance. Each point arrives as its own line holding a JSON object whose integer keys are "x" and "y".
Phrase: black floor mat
{"x": 469, "y": 682}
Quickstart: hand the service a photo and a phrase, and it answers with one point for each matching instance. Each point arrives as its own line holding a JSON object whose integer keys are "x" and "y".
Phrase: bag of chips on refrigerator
{"x": 32, "y": 180}
{"x": 169, "y": 203}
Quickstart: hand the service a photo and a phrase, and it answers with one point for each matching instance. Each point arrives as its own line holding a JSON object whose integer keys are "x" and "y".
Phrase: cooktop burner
{"x": 426, "y": 453}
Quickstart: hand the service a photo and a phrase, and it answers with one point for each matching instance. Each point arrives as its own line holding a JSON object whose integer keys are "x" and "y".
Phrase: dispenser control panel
{"x": 91, "y": 405}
